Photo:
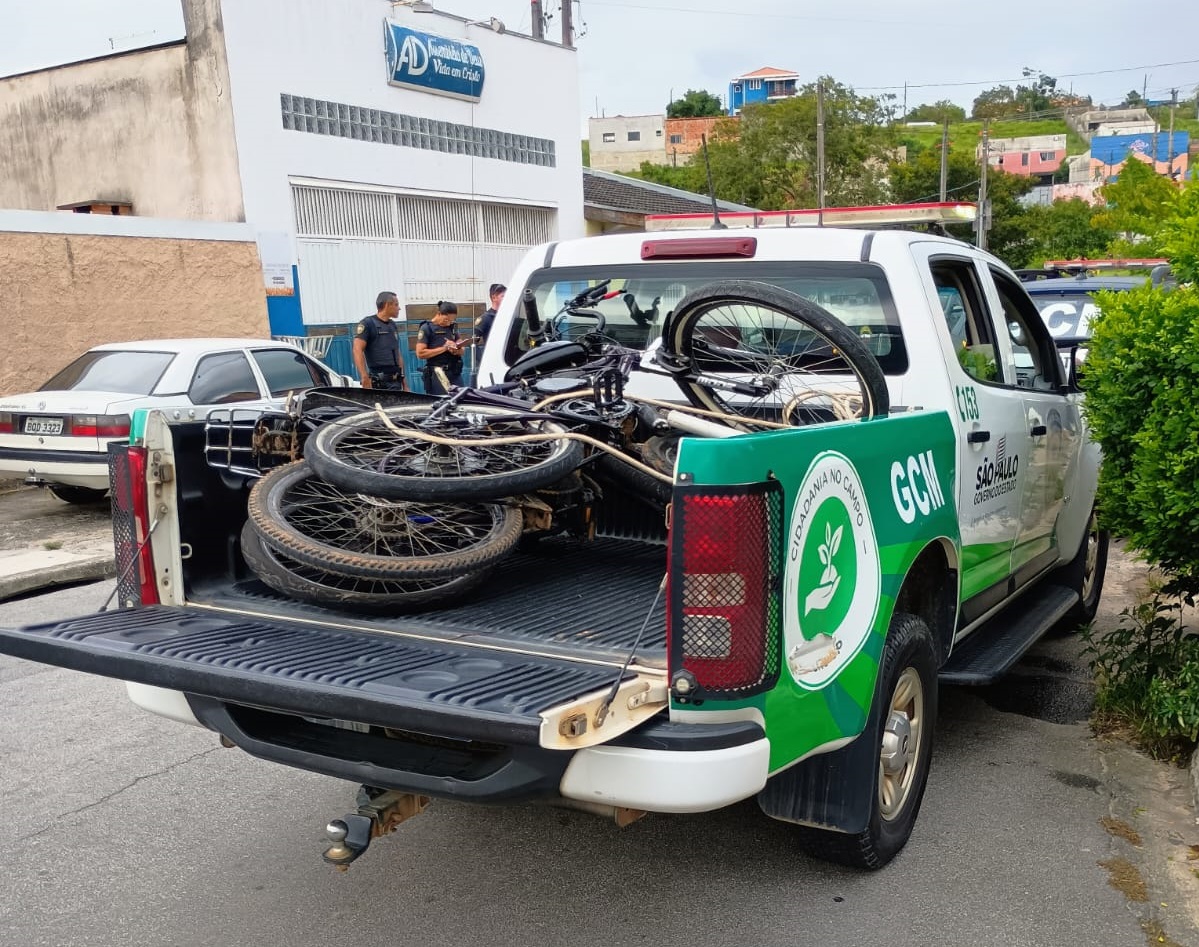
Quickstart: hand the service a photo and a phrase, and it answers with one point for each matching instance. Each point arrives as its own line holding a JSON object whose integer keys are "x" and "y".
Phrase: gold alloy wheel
{"x": 902, "y": 742}
{"x": 1092, "y": 560}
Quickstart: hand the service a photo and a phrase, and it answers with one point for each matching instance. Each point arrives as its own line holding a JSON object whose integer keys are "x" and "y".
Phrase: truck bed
{"x": 561, "y": 598}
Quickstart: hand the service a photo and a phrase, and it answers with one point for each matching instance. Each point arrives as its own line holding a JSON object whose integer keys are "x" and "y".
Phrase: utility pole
{"x": 944, "y": 161}
{"x": 568, "y": 26}
{"x": 538, "y": 20}
{"x": 981, "y": 220}
{"x": 1170, "y": 138}
{"x": 905, "y": 100}
{"x": 820, "y": 153}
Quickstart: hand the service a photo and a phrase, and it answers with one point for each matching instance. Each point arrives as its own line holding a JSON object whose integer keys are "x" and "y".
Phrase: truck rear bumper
{"x": 665, "y": 780}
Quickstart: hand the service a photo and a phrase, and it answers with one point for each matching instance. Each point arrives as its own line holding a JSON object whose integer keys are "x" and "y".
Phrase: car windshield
{"x": 132, "y": 373}
{"x": 637, "y": 298}
{"x": 1067, "y": 316}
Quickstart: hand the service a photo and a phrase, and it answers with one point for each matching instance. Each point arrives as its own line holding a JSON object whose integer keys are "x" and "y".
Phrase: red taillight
{"x": 723, "y": 622}
{"x": 131, "y": 525}
{"x": 99, "y": 425}
{"x": 7, "y": 425}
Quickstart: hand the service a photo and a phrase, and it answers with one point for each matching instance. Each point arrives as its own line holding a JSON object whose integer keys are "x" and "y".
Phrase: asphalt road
{"x": 122, "y": 829}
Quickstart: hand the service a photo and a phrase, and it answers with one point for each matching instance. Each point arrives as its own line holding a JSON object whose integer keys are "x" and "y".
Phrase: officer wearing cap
{"x": 483, "y": 323}
{"x": 438, "y": 344}
{"x": 377, "y": 346}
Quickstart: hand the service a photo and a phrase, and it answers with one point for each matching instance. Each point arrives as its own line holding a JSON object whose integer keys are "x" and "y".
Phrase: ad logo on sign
{"x": 430, "y": 63}
{"x": 833, "y": 580}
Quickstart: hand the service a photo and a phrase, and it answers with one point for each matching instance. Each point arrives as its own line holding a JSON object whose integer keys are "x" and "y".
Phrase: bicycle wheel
{"x": 790, "y": 360}
{"x": 295, "y": 580}
{"x": 323, "y": 526}
{"x": 361, "y": 453}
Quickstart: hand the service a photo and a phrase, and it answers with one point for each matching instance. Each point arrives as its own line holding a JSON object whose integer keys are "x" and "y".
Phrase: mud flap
{"x": 828, "y": 791}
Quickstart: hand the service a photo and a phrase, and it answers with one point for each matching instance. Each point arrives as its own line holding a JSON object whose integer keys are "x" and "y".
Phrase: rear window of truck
{"x": 855, "y": 293}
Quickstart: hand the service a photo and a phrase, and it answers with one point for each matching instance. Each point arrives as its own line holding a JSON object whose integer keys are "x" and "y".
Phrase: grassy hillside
{"x": 967, "y": 135}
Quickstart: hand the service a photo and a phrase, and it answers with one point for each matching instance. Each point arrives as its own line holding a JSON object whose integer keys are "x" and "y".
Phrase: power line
{"x": 1064, "y": 75}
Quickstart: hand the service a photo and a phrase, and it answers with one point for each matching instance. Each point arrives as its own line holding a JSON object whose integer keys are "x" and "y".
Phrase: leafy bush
{"x": 1148, "y": 675}
{"x": 1141, "y": 376}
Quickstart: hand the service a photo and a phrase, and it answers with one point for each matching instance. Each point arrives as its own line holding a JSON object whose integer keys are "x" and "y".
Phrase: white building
{"x": 370, "y": 145}
{"x": 623, "y": 142}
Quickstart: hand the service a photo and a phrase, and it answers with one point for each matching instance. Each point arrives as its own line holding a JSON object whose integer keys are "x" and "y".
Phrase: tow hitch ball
{"x": 380, "y": 811}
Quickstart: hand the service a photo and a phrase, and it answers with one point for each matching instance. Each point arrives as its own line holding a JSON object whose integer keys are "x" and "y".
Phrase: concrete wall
{"x": 153, "y": 127}
{"x": 621, "y": 154}
{"x": 72, "y": 281}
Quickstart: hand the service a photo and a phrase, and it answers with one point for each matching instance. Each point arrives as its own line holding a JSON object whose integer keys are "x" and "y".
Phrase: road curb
{"x": 29, "y": 571}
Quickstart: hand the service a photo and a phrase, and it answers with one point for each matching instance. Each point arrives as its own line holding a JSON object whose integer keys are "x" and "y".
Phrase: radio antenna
{"x": 716, "y": 224}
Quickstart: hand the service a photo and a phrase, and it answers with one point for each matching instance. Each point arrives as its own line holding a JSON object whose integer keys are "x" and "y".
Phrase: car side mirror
{"x": 1075, "y": 377}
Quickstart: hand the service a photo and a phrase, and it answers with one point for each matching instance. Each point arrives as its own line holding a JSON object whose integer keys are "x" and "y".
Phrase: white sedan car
{"x": 58, "y": 436}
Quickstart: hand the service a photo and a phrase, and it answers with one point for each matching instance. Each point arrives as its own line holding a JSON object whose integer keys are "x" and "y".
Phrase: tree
{"x": 1138, "y": 200}
{"x": 997, "y": 102}
{"x": 940, "y": 112}
{"x": 1037, "y": 95}
{"x": 1132, "y": 100}
{"x": 695, "y": 103}
{"x": 1065, "y": 230}
{"x": 919, "y": 180}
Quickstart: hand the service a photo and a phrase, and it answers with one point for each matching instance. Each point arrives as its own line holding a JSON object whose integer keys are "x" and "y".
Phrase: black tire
{"x": 77, "y": 496}
{"x": 706, "y": 335}
{"x": 633, "y": 482}
{"x": 361, "y": 454}
{"x": 1084, "y": 574}
{"x": 908, "y": 654}
{"x": 324, "y": 527}
{"x": 315, "y": 586}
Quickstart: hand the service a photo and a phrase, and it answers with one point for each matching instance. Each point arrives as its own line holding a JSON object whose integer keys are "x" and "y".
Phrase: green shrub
{"x": 1142, "y": 406}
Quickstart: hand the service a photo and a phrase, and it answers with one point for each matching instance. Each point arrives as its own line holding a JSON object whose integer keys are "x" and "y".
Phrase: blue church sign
{"x": 428, "y": 63}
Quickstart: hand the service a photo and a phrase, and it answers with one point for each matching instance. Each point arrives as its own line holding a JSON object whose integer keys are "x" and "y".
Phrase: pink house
{"x": 1035, "y": 156}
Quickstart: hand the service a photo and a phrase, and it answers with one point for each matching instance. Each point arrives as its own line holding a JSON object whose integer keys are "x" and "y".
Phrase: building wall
{"x": 1087, "y": 191}
{"x": 73, "y": 281}
{"x": 684, "y": 136}
{"x": 1101, "y": 171}
{"x": 1108, "y": 154}
{"x": 335, "y": 52}
{"x": 621, "y": 153}
{"x": 154, "y": 128}
{"x": 1125, "y": 128}
{"x": 1028, "y": 156}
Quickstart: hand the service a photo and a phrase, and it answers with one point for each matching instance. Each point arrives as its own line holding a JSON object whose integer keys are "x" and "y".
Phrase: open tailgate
{"x": 386, "y": 679}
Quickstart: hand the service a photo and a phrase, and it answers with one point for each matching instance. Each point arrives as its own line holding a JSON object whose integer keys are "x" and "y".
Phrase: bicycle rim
{"x": 362, "y": 453}
{"x": 320, "y": 525}
{"x": 808, "y": 366}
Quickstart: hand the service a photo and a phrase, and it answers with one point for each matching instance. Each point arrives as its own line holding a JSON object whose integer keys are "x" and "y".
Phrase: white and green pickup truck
{"x": 821, "y": 581}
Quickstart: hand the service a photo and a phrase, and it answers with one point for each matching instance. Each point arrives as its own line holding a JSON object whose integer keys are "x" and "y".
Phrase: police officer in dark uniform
{"x": 439, "y": 345}
{"x": 377, "y": 346}
{"x": 483, "y": 324}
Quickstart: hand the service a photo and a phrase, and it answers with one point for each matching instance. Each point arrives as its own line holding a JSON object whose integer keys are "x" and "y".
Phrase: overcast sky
{"x": 634, "y": 53}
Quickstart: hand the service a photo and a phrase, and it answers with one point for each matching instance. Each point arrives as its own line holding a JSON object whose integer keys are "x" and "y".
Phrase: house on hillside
{"x": 1168, "y": 154}
{"x": 623, "y": 142}
{"x": 762, "y": 85}
{"x": 1035, "y": 156}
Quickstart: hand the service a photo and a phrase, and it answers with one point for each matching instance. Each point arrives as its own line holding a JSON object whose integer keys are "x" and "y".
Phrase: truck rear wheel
{"x": 901, "y": 725}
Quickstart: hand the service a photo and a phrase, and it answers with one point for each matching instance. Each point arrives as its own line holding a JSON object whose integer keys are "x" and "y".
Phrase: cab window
{"x": 967, "y": 318}
{"x": 1034, "y": 361}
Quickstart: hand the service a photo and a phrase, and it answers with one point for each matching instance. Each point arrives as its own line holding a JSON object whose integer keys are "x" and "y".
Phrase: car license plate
{"x": 43, "y": 426}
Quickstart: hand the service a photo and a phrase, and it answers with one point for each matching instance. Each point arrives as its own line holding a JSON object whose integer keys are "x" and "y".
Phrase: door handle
{"x": 978, "y": 437}
{"x": 1039, "y": 430}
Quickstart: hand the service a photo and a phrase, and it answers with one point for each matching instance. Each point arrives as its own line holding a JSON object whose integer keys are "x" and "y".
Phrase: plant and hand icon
{"x": 820, "y": 597}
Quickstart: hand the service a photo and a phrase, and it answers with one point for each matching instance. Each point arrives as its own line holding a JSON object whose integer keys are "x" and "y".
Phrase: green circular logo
{"x": 828, "y": 569}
